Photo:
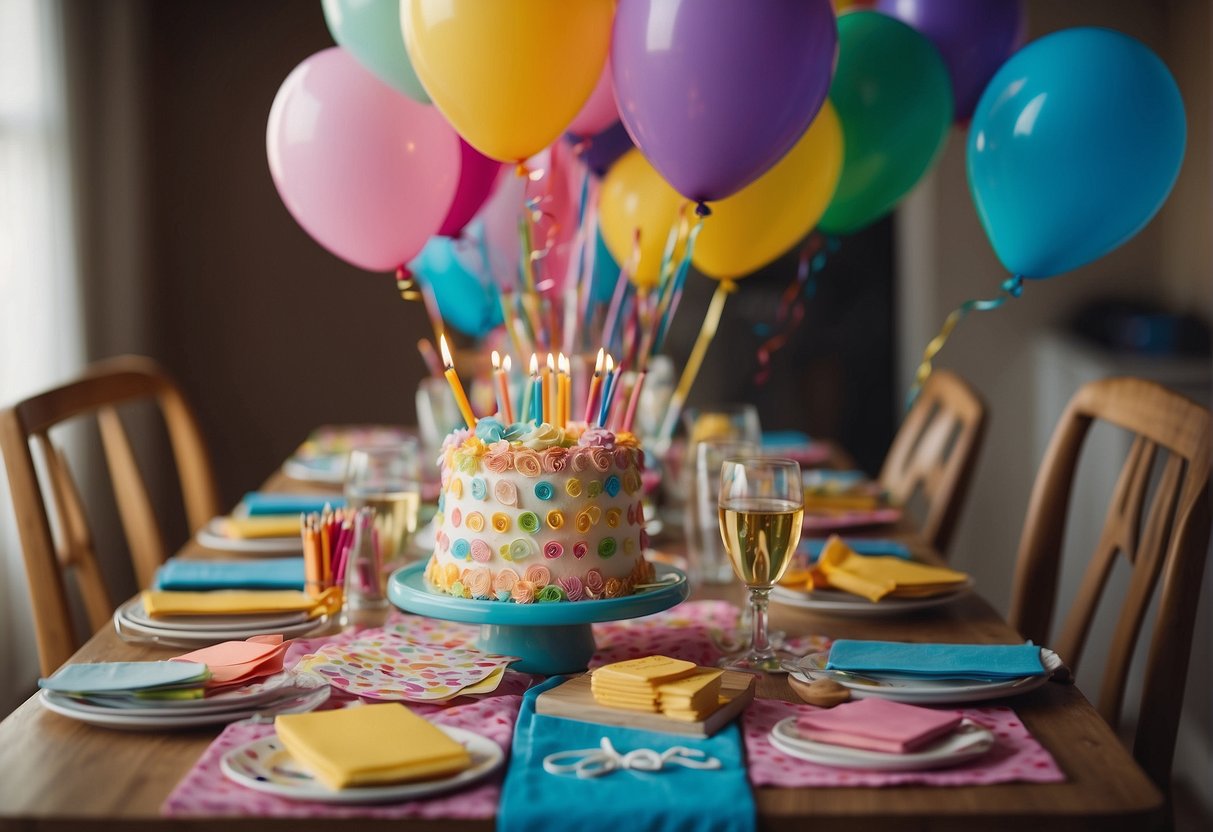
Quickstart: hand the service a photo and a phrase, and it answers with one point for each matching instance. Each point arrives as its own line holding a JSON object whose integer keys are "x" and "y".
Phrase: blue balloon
{"x": 606, "y": 273}
{"x": 457, "y": 272}
{"x": 1073, "y": 148}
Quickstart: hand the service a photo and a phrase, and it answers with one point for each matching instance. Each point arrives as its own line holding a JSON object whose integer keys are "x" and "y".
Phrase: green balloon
{"x": 894, "y": 99}
{"x": 370, "y": 31}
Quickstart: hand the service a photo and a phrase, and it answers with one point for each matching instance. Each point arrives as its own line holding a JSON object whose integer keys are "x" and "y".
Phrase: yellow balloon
{"x": 509, "y": 77}
{"x": 634, "y": 198}
{"x": 767, "y": 217}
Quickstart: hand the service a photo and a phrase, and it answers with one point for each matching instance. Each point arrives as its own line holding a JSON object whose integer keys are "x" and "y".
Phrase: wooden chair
{"x": 1172, "y": 436}
{"x": 49, "y": 557}
{"x": 934, "y": 454}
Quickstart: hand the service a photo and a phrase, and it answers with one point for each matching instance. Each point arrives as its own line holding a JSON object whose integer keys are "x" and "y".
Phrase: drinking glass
{"x": 386, "y": 478}
{"x": 707, "y": 560}
{"x": 736, "y": 421}
{"x": 761, "y": 512}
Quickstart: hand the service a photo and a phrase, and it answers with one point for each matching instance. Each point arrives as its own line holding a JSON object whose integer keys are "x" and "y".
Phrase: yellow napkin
{"x": 877, "y": 577}
{"x": 842, "y": 502}
{"x": 267, "y": 526}
{"x": 238, "y": 602}
{"x": 369, "y": 745}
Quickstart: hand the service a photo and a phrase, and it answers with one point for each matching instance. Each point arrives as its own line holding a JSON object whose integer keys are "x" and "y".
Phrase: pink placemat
{"x": 1015, "y": 757}
{"x": 205, "y": 792}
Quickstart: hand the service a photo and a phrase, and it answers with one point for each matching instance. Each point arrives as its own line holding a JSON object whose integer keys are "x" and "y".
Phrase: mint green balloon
{"x": 894, "y": 98}
{"x": 370, "y": 31}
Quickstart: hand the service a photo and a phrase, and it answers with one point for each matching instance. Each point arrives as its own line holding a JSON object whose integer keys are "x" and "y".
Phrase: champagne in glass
{"x": 761, "y": 509}
{"x": 386, "y": 479}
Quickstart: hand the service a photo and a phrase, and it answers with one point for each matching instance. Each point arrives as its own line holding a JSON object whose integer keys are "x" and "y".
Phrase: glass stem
{"x": 761, "y": 645}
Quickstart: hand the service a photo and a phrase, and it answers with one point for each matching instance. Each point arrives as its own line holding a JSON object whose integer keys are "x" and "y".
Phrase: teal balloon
{"x": 1074, "y": 146}
{"x": 370, "y": 31}
{"x": 892, "y": 93}
{"x": 454, "y": 269}
{"x": 606, "y": 273}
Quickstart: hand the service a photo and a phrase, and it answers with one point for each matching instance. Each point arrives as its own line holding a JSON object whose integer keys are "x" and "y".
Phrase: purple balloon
{"x": 599, "y": 152}
{"x": 975, "y": 38}
{"x": 715, "y": 94}
{"x": 477, "y": 176}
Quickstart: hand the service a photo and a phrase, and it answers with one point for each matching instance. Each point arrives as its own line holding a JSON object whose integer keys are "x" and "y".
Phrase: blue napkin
{"x": 811, "y": 547}
{"x": 257, "y": 503}
{"x": 108, "y": 677}
{"x": 784, "y": 438}
{"x": 942, "y": 661}
{"x": 675, "y": 799}
{"x": 270, "y": 573}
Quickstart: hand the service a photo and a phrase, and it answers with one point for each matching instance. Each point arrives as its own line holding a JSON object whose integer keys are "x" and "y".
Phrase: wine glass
{"x": 761, "y": 510}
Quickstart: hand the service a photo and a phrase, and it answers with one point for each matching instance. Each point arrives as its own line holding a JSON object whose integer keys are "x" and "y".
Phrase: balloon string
{"x": 670, "y": 302}
{"x": 1010, "y": 288}
{"x": 406, "y": 284}
{"x": 791, "y": 310}
{"x": 711, "y": 322}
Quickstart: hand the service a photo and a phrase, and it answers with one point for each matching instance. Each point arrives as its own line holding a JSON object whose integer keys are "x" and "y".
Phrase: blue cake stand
{"x": 547, "y": 638}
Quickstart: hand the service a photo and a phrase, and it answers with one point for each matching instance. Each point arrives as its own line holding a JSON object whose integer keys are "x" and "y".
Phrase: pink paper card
{"x": 235, "y": 661}
{"x": 878, "y": 725}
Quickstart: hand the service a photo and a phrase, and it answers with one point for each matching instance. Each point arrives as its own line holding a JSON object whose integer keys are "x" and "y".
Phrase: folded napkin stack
{"x": 237, "y": 602}
{"x": 878, "y": 725}
{"x": 656, "y": 684}
{"x": 370, "y": 745}
{"x": 937, "y": 661}
{"x": 234, "y": 663}
{"x": 264, "y": 503}
{"x": 841, "y": 491}
{"x": 130, "y": 680}
{"x": 874, "y": 578}
{"x": 202, "y": 575}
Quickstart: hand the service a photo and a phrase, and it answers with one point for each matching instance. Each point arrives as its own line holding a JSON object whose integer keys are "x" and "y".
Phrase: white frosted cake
{"x": 533, "y": 514}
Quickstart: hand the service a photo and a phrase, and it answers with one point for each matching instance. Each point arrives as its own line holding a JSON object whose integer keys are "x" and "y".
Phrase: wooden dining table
{"x": 60, "y": 774}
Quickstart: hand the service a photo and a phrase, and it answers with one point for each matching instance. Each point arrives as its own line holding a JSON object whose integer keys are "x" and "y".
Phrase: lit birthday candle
{"x": 549, "y": 390}
{"x": 562, "y": 390}
{"x": 595, "y": 386}
{"x": 533, "y": 408}
{"x": 503, "y": 389}
{"x": 608, "y": 389}
{"x": 452, "y": 378}
{"x": 507, "y": 364}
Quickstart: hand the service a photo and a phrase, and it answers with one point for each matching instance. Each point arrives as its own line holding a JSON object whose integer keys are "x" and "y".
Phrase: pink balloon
{"x": 477, "y": 176}
{"x": 599, "y": 112}
{"x": 369, "y": 173}
{"x": 556, "y": 196}
{"x": 502, "y": 212}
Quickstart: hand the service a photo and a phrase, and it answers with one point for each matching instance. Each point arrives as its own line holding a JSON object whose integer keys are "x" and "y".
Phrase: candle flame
{"x": 496, "y": 360}
{"x": 598, "y": 362}
{"x": 610, "y": 363}
{"x": 506, "y": 363}
{"x": 447, "y": 361}
{"x": 534, "y": 364}
{"x": 551, "y": 363}
{"x": 562, "y": 362}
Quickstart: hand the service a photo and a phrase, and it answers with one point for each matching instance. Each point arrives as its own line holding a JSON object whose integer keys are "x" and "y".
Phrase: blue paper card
{"x": 257, "y": 503}
{"x": 108, "y": 677}
{"x": 945, "y": 661}
{"x": 196, "y": 575}
{"x": 811, "y": 547}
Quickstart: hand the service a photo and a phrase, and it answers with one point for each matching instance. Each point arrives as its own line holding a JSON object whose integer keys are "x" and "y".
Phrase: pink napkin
{"x": 877, "y": 725}
{"x": 1015, "y": 757}
{"x": 204, "y": 791}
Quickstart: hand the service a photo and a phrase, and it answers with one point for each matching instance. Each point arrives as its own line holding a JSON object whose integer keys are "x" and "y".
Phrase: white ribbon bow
{"x": 595, "y": 762}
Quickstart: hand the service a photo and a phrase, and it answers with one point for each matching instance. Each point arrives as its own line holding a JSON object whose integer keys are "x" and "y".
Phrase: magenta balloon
{"x": 477, "y": 176}
{"x": 715, "y": 94}
{"x": 368, "y": 172}
{"x": 598, "y": 113}
{"x": 975, "y": 38}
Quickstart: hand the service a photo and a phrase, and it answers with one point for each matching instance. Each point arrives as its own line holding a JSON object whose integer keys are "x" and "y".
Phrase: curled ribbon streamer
{"x": 791, "y": 310}
{"x": 1010, "y": 288}
{"x": 595, "y": 762}
{"x": 670, "y": 302}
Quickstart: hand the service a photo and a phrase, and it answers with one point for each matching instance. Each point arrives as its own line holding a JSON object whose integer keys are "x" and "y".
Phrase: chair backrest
{"x": 1168, "y": 539}
{"x": 934, "y": 454}
{"x": 50, "y": 556}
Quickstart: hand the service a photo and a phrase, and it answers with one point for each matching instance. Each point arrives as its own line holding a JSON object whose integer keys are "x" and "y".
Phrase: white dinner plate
{"x": 969, "y": 741}
{"x": 256, "y": 696}
{"x": 211, "y": 536}
{"x": 915, "y": 690}
{"x": 122, "y": 718}
{"x": 837, "y": 602}
{"x": 329, "y": 468}
{"x": 266, "y": 766}
{"x": 126, "y": 625}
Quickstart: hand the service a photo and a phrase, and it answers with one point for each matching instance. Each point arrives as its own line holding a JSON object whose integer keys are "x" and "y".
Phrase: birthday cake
{"x": 536, "y": 513}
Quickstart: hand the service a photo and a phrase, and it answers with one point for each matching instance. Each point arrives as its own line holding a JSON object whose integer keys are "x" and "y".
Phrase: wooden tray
{"x": 575, "y": 700}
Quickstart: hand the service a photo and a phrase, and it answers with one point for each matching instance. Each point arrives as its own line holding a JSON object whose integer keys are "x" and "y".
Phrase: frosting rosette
{"x": 594, "y": 581}
{"x": 572, "y": 487}
{"x": 489, "y": 429}
{"x": 555, "y": 519}
{"x": 544, "y": 490}
{"x": 475, "y": 521}
{"x": 623, "y": 457}
{"x": 480, "y": 489}
{"x": 523, "y": 592}
{"x": 553, "y": 549}
{"x": 597, "y": 438}
{"x": 631, "y": 481}
{"x": 504, "y": 580}
{"x": 571, "y": 585}
{"x": 542, "y": 437}
{"x": 521, "y": 549}
{"x": 501, "y": 522}
{"x": 555, "y": 459}
{"x": 456, "y": 517}
{"x": 601, "y": 457}
{"x": 580, "y": 549}
{"x": 479, "y": 581}
{"x": 506, "y": 493}
{"x": 579, "y": 459}
{"x": 498, "y": 461}
{"x": 516, "y": 431}
{"x": 549, "y": 594}
{"x": 526, "y": 462}
{"x": 607, "y": 547}
{"x": 481, "y": 551}
{"x": 626, "y": 439}
{"x": 538, "y": 574}
{"x": 593, "y": 489}
{"x": 616, "y": 588}
{"x": 461, "y": 549}
{"x": 528, "y": 521}
{"x": 613, "y": 516}
{"x": 583, "y": 522}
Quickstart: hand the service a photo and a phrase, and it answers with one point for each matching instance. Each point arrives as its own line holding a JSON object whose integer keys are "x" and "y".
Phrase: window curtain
{"x": 41, "y": 340}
